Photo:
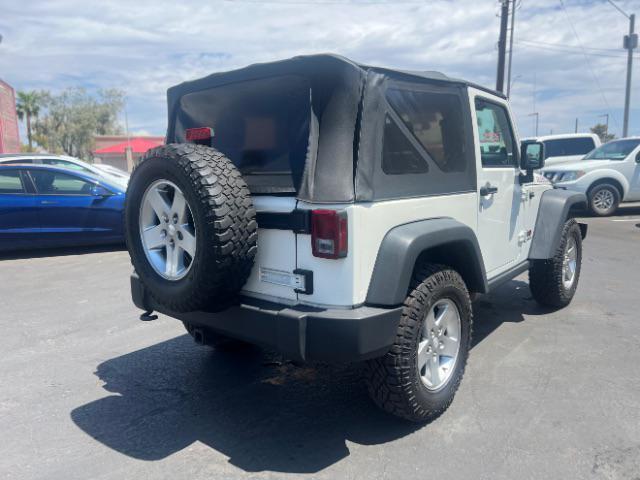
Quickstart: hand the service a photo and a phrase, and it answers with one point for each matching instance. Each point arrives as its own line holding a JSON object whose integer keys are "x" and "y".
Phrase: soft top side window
{"x": 495, "y": 135}
{"x": 435, "y": 120}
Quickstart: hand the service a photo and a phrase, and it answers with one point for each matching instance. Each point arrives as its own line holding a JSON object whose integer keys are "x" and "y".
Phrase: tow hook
{"x": 148, "y": 316}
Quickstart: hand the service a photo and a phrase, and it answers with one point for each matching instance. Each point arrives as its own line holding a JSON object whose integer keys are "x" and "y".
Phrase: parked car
{"x": 62, "y": 161}
{"x": 608, "y": 175}
{"x": 380, "y": 214}
{"x": 111, "y": 170}
{"x": 566, "y": 148}
{"x": 46, "y": 206}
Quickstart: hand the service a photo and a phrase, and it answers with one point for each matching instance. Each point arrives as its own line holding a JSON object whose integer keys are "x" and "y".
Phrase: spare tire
{"x": 191, "y": 229}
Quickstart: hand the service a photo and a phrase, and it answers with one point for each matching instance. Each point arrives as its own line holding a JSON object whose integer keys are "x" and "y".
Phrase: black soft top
{"x": 344, "y": 132}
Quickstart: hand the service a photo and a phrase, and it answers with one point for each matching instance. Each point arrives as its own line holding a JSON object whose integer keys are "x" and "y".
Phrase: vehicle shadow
{"x": 263, "y": 413}
{"x": 59, "y": 251}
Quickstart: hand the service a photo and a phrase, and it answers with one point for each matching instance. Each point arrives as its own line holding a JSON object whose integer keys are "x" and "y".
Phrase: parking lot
{"x": 88, "y": 391}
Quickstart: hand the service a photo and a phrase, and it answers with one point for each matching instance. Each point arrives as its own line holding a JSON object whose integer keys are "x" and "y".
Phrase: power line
{"x": 587, "y": 61}
{"x": 571, "y": 46}
{"x": 618, "y": 8}
{"x": 550, "y": 48}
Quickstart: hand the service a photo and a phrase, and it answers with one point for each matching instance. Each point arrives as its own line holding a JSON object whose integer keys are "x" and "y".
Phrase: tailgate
{"x": 276, "y": 257}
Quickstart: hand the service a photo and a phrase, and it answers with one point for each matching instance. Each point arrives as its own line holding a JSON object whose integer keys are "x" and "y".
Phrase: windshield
{"x": 616, "y": 150}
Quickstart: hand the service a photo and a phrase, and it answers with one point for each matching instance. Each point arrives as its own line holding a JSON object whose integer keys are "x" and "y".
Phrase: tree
{"x": 601, "y": 130}
{"x": 74, "y": 117}
{"x": 28, "y": 107}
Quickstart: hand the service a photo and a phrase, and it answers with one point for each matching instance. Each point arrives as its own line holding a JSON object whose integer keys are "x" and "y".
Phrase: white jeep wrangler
{"x": 340, "y": 212}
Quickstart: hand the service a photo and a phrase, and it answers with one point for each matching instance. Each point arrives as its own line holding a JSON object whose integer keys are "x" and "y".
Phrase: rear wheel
{"x": 604, "y": 200}
{"x": 418, "y": 377}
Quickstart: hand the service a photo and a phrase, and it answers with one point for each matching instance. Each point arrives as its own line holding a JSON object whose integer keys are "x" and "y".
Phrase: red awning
{"x": 138, "y": 145}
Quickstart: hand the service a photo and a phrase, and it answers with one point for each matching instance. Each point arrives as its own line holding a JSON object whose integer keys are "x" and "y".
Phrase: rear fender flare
{"x": 403, "y": 245}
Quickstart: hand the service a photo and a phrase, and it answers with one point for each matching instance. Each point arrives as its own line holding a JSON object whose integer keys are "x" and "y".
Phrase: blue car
{"x": 46, "y": 206}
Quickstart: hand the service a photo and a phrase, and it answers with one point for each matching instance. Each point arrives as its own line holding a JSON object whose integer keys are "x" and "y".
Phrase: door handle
{"x": 48, "y": 202}
{"x": 488, "y": 190}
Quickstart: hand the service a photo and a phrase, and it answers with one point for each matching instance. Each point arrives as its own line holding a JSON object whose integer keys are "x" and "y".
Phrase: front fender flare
{"x": 553, "y": 212}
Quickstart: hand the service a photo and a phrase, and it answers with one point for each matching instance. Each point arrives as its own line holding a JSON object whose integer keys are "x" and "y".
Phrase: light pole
{"x": 537, "y": 115}
{"x": 630, "y": 42}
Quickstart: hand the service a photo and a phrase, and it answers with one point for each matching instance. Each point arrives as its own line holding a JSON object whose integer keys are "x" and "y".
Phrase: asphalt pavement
{"x": 89, "y": 392}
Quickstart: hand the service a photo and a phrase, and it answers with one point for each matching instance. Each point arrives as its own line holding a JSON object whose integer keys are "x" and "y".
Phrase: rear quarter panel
{"x": 345, "y": 282}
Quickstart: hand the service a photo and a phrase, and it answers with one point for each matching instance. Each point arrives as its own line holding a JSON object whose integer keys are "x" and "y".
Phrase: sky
{"x": 568, "y": 60}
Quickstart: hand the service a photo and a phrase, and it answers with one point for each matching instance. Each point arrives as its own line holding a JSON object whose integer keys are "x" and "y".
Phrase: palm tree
{"x": 28, "y": 106}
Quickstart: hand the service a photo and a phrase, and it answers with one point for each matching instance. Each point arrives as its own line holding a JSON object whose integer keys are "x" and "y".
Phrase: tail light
{"x": 200, "y": 135}
{"x": 329, "y": 234}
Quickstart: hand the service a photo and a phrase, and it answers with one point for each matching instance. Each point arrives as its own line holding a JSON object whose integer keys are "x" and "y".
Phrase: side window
{"x": 495, "y": 136}
{"x": 10, "y": 182}
{"x": 55, "y": 183}
{"x": 398, "y": 154}
{"x": 435, "y": 120}
{"x": 17, "y": 162}
{"x": 65, "y": 164}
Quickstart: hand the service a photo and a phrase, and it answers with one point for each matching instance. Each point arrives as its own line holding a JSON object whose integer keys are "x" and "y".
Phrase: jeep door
{"x": 499, "y": 190}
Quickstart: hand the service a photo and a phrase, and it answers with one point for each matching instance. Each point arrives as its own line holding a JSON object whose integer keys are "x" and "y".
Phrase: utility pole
{"x": 513, "y": 21}
{"x": 576, "y": 130}
{"x": 502, "y": 45}
{"x": 630, "y": 42}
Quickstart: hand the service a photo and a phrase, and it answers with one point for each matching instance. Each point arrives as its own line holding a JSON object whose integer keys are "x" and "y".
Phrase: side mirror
{"x": 638, "y": 157}
{"x": 531, "y": 156}
{"x": 99, "y": 191}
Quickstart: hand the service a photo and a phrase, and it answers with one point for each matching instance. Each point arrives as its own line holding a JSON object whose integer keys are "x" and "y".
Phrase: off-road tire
{"x": 224, "y": 218}
{"x": 592, "y": 196}
{"x": 393, "y": 380}
{"x": 546, "y": 276}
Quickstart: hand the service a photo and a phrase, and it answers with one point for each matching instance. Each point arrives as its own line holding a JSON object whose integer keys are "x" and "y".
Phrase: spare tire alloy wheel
{"x": 191, "y": 228}
{"x": 167, "y": 230}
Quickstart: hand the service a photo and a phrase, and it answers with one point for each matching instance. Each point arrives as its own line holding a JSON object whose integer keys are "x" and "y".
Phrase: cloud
{"x": 146, "y": 46}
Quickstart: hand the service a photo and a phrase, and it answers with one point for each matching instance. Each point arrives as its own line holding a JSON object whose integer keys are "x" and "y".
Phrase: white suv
{"x": 340, "y": 212}
{"x": 608, "y": 175}
{"x": 566, "y": 147}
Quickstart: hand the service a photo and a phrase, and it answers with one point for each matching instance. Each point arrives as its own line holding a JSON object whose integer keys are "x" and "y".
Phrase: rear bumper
{"x": 300, "y": 332}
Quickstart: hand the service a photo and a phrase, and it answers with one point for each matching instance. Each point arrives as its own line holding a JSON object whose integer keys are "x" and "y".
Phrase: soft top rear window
{"x": 261, "y": 125}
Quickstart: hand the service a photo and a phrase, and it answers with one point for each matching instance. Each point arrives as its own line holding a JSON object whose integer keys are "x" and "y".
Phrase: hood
{"x": 584, "y": 165}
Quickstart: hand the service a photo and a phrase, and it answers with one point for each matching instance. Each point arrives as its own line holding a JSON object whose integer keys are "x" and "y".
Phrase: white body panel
{"x": 276, "y": 250}
{"x": 504, "y": 228}
{"x": 345, "y": 282}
